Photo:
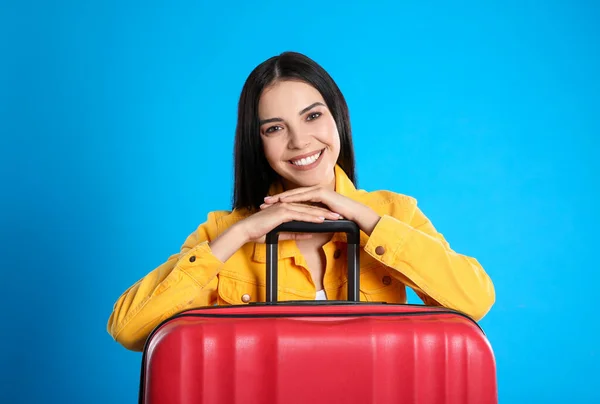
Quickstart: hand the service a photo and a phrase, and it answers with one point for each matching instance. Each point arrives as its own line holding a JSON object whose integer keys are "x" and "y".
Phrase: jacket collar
{"x": 285, "y": 249}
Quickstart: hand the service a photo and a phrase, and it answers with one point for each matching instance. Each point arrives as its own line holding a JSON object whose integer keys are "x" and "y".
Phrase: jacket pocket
{"x": 377, "y": 285}
{"x": 233, "y": 290}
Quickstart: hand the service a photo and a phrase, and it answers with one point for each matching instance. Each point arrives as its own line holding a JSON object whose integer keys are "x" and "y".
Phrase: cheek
{"x": 331, "y": 135}
{"x": 272, "y": 150}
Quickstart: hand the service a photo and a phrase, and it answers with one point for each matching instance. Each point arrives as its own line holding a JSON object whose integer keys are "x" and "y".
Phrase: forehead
{"x": 287, "y": 97}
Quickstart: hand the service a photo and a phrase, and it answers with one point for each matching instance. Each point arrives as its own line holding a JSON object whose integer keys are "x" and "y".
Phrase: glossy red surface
{"x": 346, "y": 354}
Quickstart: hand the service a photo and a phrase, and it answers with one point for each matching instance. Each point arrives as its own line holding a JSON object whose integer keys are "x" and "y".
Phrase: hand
{"x": 255, "y": 227}
{"x": 364, "y": 216}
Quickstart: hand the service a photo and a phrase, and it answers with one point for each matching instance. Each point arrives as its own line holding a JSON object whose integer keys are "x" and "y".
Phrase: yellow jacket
{"x": 404, "y": 249}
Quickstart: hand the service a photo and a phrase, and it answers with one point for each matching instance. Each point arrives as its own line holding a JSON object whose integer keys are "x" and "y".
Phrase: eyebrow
{"x": 311, "y": 106}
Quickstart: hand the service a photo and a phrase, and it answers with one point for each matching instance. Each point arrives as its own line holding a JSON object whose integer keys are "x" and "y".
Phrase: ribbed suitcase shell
{"x": 318, "y": 353}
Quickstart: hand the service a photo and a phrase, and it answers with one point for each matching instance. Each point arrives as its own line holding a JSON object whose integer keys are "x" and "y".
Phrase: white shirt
{"x": 321, "y": 295}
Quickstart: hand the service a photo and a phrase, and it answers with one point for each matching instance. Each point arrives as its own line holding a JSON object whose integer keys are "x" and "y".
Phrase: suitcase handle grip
{"x": 328, "y": 226}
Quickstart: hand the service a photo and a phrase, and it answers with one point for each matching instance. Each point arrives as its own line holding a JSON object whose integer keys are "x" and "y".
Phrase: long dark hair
{"x": 253, "y": 174}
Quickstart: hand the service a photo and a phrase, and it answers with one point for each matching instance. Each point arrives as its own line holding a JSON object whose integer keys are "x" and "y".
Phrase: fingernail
{"x": 267, "y": 197}
{"x": 321, "y": 217}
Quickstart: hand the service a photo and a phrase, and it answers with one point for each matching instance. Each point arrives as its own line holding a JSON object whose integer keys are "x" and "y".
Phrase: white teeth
{"x": 307, "y": 160}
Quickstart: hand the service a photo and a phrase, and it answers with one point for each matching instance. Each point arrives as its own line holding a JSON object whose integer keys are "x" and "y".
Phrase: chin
{"x": 322, "y": 175}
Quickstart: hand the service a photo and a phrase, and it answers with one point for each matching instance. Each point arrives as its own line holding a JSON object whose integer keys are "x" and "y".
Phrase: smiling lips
{"x": 308, "y": 160}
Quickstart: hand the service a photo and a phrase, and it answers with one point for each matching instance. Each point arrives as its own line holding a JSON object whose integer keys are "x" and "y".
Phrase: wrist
{"x": 230, "y": 241}
{"x": 241, "y": 233}
{"x": 367, "y": 219}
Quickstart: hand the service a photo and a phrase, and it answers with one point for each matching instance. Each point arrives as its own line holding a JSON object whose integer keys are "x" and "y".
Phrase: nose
{"x": 298, "y": 139}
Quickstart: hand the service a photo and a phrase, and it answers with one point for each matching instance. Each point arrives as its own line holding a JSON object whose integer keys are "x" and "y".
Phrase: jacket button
{"x": 386, "y": 280}
{"x": 337, "y": 254}
{"x": 192, "y": 258}
{"x": 379, "y": 250}
{"x": 245, "y": 298}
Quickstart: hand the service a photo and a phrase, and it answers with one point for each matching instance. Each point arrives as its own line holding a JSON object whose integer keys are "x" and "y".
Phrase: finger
{"x": 290, "y": 192}
{"x": 300, "y": 216}
{"x": 315, "y": 204}
{"x": 320, "y": 206}
{"x": 312, "y": 210}
{"x": 269, "y": 204}
{"x": 309, "y": 196}
{"x": 323, "y": 209}
{"x": 316, "y": 199}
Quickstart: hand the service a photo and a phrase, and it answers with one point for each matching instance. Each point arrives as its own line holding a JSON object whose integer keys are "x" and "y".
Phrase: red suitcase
{"x": 318, "y": 351}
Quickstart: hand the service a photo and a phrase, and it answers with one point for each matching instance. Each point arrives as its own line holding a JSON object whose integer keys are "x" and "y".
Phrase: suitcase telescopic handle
{"x": 328, "y": 226}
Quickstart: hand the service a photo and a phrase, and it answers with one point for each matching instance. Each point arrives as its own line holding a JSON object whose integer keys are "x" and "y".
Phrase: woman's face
{"x": 299, "y": 135}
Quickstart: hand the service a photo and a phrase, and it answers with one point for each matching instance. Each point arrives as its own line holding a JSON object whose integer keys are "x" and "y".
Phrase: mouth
{"x": 307, "y": 162}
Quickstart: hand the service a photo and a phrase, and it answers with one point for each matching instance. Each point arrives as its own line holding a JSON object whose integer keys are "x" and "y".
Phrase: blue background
{"x": 117, "y": 123}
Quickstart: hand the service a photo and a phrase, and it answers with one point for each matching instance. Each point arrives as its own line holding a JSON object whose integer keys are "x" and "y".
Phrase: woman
{"x": 294, "y": 160}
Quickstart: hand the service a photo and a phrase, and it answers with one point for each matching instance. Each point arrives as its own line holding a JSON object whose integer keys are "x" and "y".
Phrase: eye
{"x": 273, "y": 129}
{"x": 313, "y": 115}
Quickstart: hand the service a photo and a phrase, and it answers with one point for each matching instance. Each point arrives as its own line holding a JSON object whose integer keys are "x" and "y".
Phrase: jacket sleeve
{"x": 422, "y": 259}
{"x": 185, "y": 280}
